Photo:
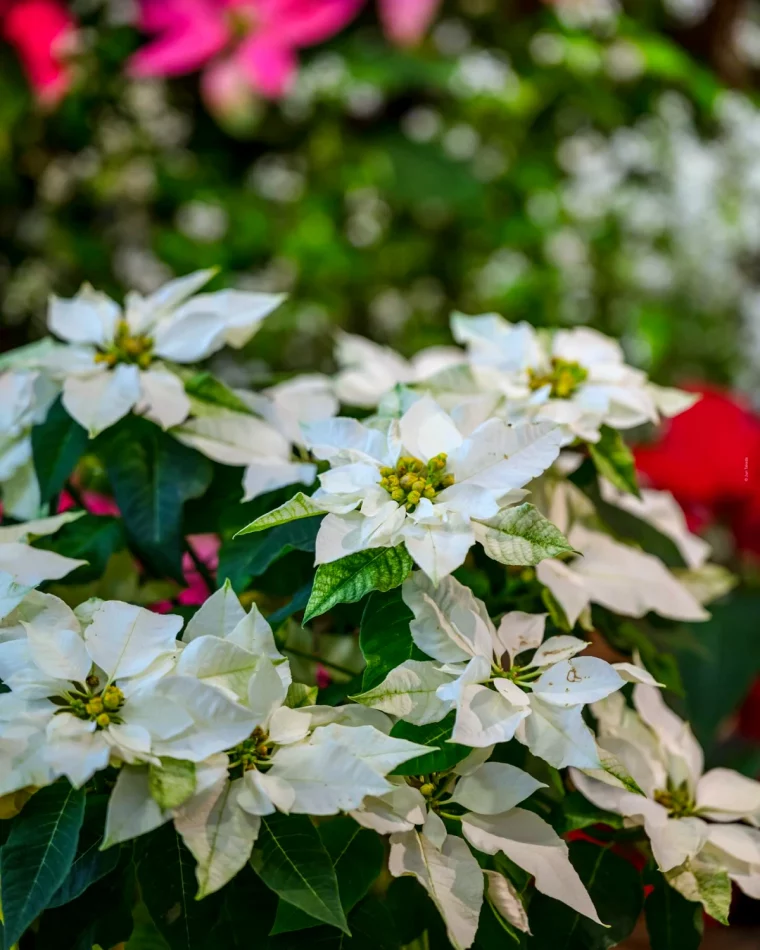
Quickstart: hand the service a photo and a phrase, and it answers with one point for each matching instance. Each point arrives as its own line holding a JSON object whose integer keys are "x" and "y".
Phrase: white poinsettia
{"x": 367, "y": 371}
{"x": 417, "y": 480}
{"x": 484, "y": 673}
{"x": 482, "y": 796}
{"x": 617, "y": 576}
{"x": 702, "y": 825}
{"x": 102, "y": 681}
{"x": 119, "y": 359}
{"x": 25, "y": 397}
{"x": 310, "y": 760}
{"x": 23, "y": 567}
{"x": 270, "y": 443}
{"x": 575, "y": 378}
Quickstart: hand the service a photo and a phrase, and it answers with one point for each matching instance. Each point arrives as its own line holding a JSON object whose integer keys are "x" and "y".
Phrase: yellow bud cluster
{"x": 412, "y": 480}
{"x": 101, "y": 708}
{"x": 564, "y": 377}
{"x": 135, "y": 350}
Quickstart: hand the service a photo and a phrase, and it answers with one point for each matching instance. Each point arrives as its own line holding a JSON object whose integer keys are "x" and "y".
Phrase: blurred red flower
{"x": 709, "y": 458}
{"x": 41, "y": 32}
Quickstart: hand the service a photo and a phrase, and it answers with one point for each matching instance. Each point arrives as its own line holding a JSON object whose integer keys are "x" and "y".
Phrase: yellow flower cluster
{"x": 100, "y": 708}
{"x": 133, "y": 350}
{"x": 564, "y": 378}
{"x": 412, "y": 480}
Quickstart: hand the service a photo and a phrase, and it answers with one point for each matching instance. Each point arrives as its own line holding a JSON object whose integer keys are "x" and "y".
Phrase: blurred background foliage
{"x": 564, "y": 165}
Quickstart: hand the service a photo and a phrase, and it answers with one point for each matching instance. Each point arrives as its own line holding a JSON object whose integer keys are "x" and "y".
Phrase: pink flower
{"x": 41, "y": 32}
{"x": 406, "y": 21}
{"x": 244, "y": 45}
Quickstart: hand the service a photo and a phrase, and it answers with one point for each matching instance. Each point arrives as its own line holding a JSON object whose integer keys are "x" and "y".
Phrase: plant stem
{"x": 77, "y": 497}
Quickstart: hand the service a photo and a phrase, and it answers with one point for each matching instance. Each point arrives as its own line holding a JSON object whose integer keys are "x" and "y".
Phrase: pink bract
{"x": 40, "y": 31}
{"x": 406, "y": 21}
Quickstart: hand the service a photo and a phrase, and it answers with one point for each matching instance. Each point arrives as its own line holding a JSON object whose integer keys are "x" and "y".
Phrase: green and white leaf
{"x": 171, "y": 783}
{"x": 348, "y": 579}
{"x": 409, "y": 692}
{"x": 614, "y": 461}
{"x": 521, "y": 535}
{"x": 299, "y": 506}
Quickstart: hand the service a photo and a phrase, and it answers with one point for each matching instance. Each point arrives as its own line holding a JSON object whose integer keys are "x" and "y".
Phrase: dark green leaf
{"x": 90, "y": 864}
{"x": 290, "y": 858}
{"x": 614, "y": 461}
{"x": 91, "y": 538}
{"x": 615, "y": 888}
{"x": 673, "y": 923}
{"x": 298, "y": 602}
{"x": 385, "y": 638}
{"x": 206, "y": 387}
{"x": 434, "y": 734}
{"x": 347, "y": 580}
{"x": 145, "y": 936}
{"x": 152, "y": 476}
{"x": 372, "y": 928}
{"x": 241, "y": 559}
{"x": 38, "y": 855}
{"x": 578, "y": 812}
{"x": 357, "y": 855}
{"x": 57, "y": 445}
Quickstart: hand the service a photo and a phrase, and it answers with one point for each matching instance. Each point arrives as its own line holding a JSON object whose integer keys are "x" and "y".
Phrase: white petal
{"x": 502, "y": 457}
{"x": 132, "y": 810}
{"x": 97, "y": 401}
{"x": 568, "y": 589}
{"x": 89, "y": 317}
{"x": 58, "y": 650}
{"x": 163, "y": 398}
{"x": 217, "y": 617}
{"x": 262, "y": 477}
{"x": 234, "y": 438}
{"x": 381, "y": 752}
{"x": 398, "y": 810}
{"x": 632, "y": 673}
{"x": 238, "y": 312}
{"x": 426, "y": 430}
{"x": 725, "y": 795}
{"x": 409, "y": 692}
{"x": 124, "y": 640}
{"x": 485, "y": 717}
{"x": 505, "y": 898}
{"x": 450, "y": 623}
{"x": 219, "y": 663}
{"x": 171, "y": 294}
{"x": 30, "y": 566}
{"x": 556, "y": 649}
{"x": 189, "y": 336}
{"x": 266, "y": 691}
{"x": 559, "y": 736}
{"x": 289, "y": 725}
{"x": 494, "y": 787}
{"x": 450, "y": 875}
{"x": 673, "y": 733}
{"x": 254, "y": 797}
{"x": 534, "y": 846}
{"x": 519, "y": 631}
{"x": 75, "y": 749}
{"x": 219, "y": 834}
{"x": 345, "y": 440}
{"x": 323, "y": 779}
{"x": 738, "y": 841}
{"x": 583, "y": 679}
{"x": 441, "y": 548}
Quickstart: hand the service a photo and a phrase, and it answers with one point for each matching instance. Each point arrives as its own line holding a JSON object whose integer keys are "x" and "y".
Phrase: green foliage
{"x": 522, "y": 535}
{"x": 352, "y": 577}
{"x": 38, "y": 856}
{"x": 673, "y": 923}
{"x": 57, "y": 445}
{"x": 444, "y": 754}
{"x": 614, "y": 461}
{"x": 385, "y": 638}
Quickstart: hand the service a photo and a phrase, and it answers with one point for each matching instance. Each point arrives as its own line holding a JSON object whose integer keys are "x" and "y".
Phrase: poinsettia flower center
{"x": 101, "y": 707}
{"x": 564, "y": 377}
{"x": 255, "y": 752}
{"x": 132, "y": 349}
{"x": 677, "y": 799}
{"x": 412, "y": 480}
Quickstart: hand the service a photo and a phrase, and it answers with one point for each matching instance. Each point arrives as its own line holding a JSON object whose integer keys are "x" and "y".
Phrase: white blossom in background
{"x": 482, "y": 671}
{"x": 482, "y": 796}
{"x": 120, "y": 360}
{"x": 25, "y": 397}
{"x": 577, "y": 379}
{"x": 267, "y": 440}
{"x": 418, "y": 480}
{"x": 296, "y": 760}
{"x": 367, "y": 371}
{"x": 702, "y": 825}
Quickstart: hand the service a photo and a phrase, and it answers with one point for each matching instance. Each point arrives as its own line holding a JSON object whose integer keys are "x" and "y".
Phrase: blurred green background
{"x": 567, "y": 164}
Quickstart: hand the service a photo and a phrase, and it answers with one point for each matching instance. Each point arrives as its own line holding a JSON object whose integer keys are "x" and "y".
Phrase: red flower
{"x": 40, "y": 31}
{"x": 709, "y": 458}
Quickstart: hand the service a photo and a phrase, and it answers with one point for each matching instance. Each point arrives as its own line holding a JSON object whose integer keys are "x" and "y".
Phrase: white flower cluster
{"x": 204, "y": 727}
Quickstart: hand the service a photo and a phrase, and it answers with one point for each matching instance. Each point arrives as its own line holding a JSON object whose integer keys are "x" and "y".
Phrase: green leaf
{"x": 435, "y": 734}
{"x": 152, "y": 476}
{"x": 521, "y": 535}
{"x": 166, "y": 875}
{"x": 145, "y": 935}
{"x": 242, "y": 559}
{"x": 290, "y": 858}
{"x": 614, "y": 461}
{"x": 673, "y": 923}
{"x": 299, "y": 694}
{"x": 357, "y": 855}
{"x": 299, "y": 506}
{"x": 384, "y": 637}
{"x": 578, "y": 812}
{"x": 91, "y": 538}
{"x": 704, "y": 883}
{"x": 298, "y": 602}
{"x": 347, "y": 580}
{"x": 57, "y": 445}
{"x": 615, "y": 888}
{"x": 206, "y": 387}
{"x": 90, "y": 864}
{"x": 172, "y": 783}
{"x": 38, "y": 855}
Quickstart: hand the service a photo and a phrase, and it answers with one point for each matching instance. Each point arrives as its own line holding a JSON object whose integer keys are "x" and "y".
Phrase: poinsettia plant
{"x": 374, "y": 659}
